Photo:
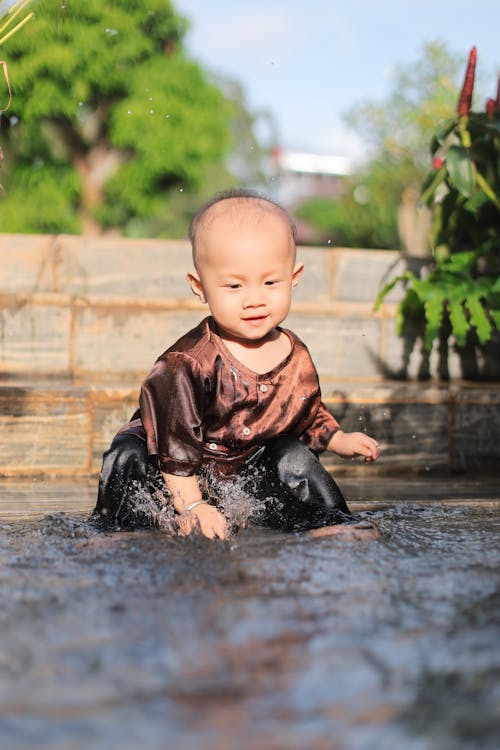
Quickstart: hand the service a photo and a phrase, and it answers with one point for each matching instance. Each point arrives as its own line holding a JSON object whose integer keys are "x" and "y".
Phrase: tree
{"x": 422, "y": 95}
{"x": 110, "y": 122}
{"x": 364, "y": 214}
{"x": 397, "y": 132}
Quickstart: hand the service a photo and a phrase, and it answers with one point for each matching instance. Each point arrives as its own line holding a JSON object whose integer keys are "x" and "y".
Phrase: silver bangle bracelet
{"x": 193, "y": 505}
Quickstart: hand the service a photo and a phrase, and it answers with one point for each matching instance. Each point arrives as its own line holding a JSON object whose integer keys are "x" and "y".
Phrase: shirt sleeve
{"x": 171, "y": 407}
{"x": 320, "y": 432}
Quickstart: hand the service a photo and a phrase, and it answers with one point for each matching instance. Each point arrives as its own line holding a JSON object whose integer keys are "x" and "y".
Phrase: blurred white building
{"x": 297, "y": 175}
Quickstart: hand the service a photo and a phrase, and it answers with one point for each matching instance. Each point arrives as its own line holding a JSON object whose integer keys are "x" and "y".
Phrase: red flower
{"x": 437, "y": 162}
{"x": 465, "y": 100}
{"x": 491, "y": 106}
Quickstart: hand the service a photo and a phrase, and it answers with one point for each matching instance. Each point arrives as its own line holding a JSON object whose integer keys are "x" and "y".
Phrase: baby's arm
{"x": 185, "y": 491}
{"x": 350, "y": 444}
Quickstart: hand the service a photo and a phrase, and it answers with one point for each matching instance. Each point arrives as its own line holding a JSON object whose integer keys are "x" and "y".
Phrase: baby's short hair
{"x": 236, "y": 193}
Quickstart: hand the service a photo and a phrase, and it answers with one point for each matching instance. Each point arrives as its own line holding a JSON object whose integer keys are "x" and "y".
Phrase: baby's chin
{"x": 252, "y": 333}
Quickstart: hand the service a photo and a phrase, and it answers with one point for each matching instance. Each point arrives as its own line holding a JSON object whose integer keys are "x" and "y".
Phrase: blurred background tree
{"x": 398, "y": 132}
{"x": 111, "y": 125}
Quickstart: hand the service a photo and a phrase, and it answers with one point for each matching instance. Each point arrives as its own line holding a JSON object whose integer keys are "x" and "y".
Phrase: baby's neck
{"x": 260, "y": 356}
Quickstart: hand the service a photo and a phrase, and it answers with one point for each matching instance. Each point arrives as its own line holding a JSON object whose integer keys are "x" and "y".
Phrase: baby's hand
{"x": 350, "y": 444}
{"x": 207, "y": 519}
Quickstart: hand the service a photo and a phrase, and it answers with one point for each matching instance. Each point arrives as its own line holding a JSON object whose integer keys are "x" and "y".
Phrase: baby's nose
{"x": 253, "y": 297}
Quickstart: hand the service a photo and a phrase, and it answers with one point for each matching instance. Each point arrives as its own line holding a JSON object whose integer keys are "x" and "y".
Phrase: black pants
{"x": 293, "y": 490}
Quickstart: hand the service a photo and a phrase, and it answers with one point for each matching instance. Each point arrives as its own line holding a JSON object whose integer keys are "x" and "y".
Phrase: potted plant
{"x": 460, "y": 291}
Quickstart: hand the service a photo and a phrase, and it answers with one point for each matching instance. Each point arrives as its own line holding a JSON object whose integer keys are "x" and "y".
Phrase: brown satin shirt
{"x": 199, "y": 405}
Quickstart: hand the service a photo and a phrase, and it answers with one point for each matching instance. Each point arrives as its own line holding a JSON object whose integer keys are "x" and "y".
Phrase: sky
{"x": 310, "y": 62}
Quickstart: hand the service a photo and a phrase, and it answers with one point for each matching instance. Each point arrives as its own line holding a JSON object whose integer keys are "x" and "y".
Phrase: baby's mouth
{"x": 255, "y": 320}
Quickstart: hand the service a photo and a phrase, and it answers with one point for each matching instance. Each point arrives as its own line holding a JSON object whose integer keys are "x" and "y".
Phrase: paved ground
{"x": 276, "y": 641}
{"x": 31, "y": 498}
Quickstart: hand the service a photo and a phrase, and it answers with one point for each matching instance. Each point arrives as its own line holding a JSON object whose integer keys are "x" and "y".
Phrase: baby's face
{"x": 246, "y": 274}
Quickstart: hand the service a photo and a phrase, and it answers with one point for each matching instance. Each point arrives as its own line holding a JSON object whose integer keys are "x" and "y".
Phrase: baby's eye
{"x": 233, "y": 286}
{"x": 271, "y": 282}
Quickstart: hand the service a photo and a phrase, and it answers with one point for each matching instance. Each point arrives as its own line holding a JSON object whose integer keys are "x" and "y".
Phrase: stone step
{"x": 53, "y": 334}
{"x": 92, "y": 307}
{"x": 59, "y": 428}
{"x": 121, "y": 268}
{"x": 80, "y": 306}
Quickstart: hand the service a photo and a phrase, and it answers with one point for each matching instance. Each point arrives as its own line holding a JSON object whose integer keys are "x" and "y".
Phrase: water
{"x": 267, "y": 641}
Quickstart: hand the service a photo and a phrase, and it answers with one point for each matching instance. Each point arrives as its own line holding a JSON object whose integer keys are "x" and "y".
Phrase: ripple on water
{"x": 268, "y": 638}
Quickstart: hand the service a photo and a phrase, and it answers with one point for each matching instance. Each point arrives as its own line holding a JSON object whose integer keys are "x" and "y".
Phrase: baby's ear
{"x": 297, "y": 273}
{"x": 196, "y": 286}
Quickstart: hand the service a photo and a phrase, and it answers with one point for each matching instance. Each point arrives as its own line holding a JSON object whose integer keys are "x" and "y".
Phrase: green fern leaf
{"x": 462, "y": 262}
{"x": 495, "y": 316}
{"x": 385, "y": 291}
{"x": 459, "y": 323}
{"x": 433, "y": 307}
{"x": 479, "y": 319}
{"x": 409, "y": 309}
{"x": 403, "y": 278}
{"x": 496, "y": 286}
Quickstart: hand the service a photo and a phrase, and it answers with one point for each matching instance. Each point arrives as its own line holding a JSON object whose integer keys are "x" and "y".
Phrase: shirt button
{"x": 213, "y": 446}
{"x": 246, "y": 430}
{"x": 263, "y": 387}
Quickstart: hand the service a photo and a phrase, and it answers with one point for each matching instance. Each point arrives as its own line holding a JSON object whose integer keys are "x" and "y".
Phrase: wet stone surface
{"x": 268, "y": 641}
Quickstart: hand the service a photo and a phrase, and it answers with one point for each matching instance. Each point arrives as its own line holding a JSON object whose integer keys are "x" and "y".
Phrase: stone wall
{"x": 82, "y": 320}
{"x": 73, "y": 307}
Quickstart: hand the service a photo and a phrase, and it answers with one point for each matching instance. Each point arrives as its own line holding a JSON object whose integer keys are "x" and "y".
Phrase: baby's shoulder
{"x": 299, "y": 348}
{"x": 194, "y": 352}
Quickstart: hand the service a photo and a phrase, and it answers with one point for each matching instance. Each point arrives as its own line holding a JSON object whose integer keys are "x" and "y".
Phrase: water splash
{"x": 151, "y": 506}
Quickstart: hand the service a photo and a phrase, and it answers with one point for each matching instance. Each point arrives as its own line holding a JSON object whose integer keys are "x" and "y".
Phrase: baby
{"x": 237, "y": 396}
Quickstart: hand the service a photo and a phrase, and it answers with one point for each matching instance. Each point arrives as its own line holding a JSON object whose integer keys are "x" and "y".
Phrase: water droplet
{"x": 181, "y": 190}
{"x": 129, "y": 111}
{"x": 167, "y": 116}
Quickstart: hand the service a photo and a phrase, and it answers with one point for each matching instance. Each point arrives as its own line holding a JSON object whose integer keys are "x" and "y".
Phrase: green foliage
{"x": 45, "y": 196}
{"x": 463, "y": 191}
{"x": 422, "y": 95}
{"x": 365, "y": 214}
{"x": 106, "y": 103}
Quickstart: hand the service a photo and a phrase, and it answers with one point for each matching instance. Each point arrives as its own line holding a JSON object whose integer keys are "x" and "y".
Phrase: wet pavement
{"x": 267, "y": 641}
{"x": 33, "y": 498}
